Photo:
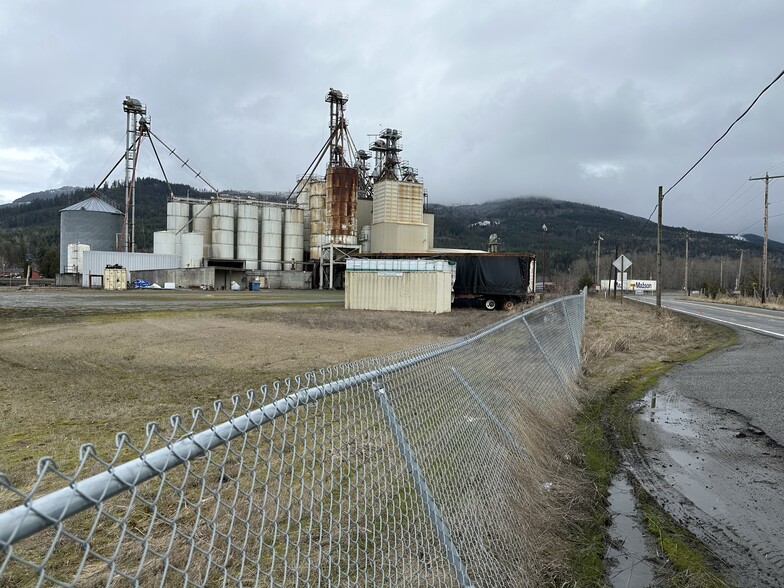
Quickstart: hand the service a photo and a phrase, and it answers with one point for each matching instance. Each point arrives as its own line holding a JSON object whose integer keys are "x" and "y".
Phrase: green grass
{"x": 694, "y": 565}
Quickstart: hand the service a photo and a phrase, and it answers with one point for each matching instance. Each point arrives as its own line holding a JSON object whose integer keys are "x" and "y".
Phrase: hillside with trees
{"x": 30, "y": 231}
{"x": 571, "y": 241}
{"x": 30, "y": 228}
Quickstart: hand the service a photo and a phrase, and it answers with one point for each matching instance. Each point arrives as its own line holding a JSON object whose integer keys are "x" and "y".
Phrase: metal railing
{"x": 398, "y": 470}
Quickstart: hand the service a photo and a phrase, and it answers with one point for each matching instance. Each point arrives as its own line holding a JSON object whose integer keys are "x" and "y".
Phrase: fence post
{"x": 544, "y": 354}
{"x": 487, "y": 411}
{"x": 452, "y": 553}
{"x": 571, "y": 330}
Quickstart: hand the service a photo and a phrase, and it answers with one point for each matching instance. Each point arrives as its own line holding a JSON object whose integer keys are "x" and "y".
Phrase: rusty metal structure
{"x": 341, "y": 205}
{"x": 340, "y": 213}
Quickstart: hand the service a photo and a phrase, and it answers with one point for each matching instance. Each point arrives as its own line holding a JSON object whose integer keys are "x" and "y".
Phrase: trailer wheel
{"x": 490, "y": 304}
{"x": 509, "y": 304}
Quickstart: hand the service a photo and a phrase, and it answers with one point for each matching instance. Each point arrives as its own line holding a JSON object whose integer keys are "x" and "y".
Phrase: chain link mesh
{"x": 398, "y": 470}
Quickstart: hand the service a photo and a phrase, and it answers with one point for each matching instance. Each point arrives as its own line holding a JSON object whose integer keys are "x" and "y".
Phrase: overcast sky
{"x": 594, "y": 101}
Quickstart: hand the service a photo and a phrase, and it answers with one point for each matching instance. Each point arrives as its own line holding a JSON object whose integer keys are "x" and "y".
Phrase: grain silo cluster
{"x": 367, "y": 203}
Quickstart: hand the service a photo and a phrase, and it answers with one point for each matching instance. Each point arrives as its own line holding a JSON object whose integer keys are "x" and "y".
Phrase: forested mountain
{"x": 30, "y": 230}
{"x": 571, "y": 242}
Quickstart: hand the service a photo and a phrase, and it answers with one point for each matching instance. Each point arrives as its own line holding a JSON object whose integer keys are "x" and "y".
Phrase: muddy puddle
{"x": 631, "y": 553}
{"x": 720, "y": 477}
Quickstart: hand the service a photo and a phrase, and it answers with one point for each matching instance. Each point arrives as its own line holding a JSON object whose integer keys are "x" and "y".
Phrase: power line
{"x": 723, "y": 204}
{"x": 740, "y": 205}
{"x": 716, "y": 142}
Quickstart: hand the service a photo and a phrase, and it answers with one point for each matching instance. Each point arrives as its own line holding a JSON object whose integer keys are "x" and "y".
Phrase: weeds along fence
{"x": 399, "y": 471}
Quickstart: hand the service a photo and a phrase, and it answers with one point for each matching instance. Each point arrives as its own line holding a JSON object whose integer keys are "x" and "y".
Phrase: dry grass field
{"x": 68, "y": 381}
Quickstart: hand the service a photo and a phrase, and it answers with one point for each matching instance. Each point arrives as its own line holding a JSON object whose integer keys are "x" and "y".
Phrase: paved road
{"x": 747, "y": 378}
{"x": 757, "y": 320}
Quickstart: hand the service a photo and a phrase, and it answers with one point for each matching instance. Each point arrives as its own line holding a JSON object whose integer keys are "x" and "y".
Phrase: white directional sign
{"x": 622, "y": 263}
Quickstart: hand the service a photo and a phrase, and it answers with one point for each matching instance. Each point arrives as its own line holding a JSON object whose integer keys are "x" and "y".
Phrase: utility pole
{"x": 544, "y": 274}
{"x": 740, "y": 268}
{"x": 658, "y": 255}
{"x": 687, "y": 266}
{"x": 615, "y": 284}
{"x": 598, "y": 255}
{"x": 764, "y": 280}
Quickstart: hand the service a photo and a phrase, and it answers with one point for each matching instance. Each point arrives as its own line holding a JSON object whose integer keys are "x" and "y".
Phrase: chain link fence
{"x": 399, "y": 471}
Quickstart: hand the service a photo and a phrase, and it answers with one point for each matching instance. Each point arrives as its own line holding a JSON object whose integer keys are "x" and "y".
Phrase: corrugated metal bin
{"x": 398, "y": 284}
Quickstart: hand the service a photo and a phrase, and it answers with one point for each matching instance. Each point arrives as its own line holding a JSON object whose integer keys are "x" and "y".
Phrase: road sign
{"x": 622, "y": 263}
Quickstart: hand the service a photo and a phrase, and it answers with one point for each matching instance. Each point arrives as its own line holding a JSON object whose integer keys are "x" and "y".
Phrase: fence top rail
{"x": 37, "y": 514}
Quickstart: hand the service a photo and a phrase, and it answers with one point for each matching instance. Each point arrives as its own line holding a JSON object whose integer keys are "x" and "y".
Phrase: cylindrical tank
{"x": 341, "y": 205}
{"x": 271, "y": 237}
{"x": 223, "y": 230}
{"x": 303, "y": 202}
{"x": 92, "y": 222}
{"x": 248, "y": 235}
{"x": 201, "y": 223}
{"x": 192, "y": 250}
{"x": 164, "y": 242}
{"x": 293, "y": 231}
{"x": 178, "y": 216}
{"x": 75, "y": 258}
{"x": 318, "y": 235}
{"x": 364, "y": 239}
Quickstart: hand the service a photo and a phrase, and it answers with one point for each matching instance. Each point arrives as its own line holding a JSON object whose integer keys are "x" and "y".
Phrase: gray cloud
{"x": 597, "y": 101}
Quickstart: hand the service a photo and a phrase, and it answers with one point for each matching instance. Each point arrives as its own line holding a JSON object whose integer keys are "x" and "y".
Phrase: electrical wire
{"x": 716, "y": 142}
{"x": 741, "y": 205}
{"x": 737, "y": 193}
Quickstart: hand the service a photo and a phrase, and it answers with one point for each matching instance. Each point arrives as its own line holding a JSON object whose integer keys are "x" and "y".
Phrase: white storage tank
{"x": 178, "y": 216}
{"x": 223, "y": 230}
{"x": 201, "y": 223}
{"x": 293, "y": 237}
{"x": 76, "y": 257}
{"x": 192, "y": 250}
{"x": 248, "y": 235}
{"x": 303, "y": 202}
{"x": 164, "y": 242}
{"x": 318, "y": 232}
{"x": 271, "y": 237}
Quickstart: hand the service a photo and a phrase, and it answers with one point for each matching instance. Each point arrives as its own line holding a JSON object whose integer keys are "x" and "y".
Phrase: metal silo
{"x": 223, "y": 230}
{"x": 201, "y": 223}
{"x": 248, "y": 235}
{"x": 178, "y": 216}
{"x": 164, "y": 242}
{"x": 318, "y": 234}
{"x": 192, "y": 250}
{"x": 271, "y": 237}
{"x": 341, "y": 205}
{"x": 92, "y": 222}
{"x": 303, "y": 202}
{"x": 293, "y": 237}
